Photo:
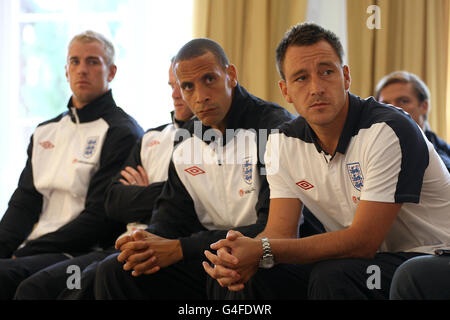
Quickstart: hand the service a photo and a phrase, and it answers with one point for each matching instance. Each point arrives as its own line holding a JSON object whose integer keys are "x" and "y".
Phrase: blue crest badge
{"x": 356, "y": 175}
{"x": 91, "y": 146}
{"x": 247, "y": 170}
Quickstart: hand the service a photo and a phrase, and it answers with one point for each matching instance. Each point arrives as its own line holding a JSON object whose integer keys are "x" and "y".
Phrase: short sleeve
{"x": 277, "y": 175}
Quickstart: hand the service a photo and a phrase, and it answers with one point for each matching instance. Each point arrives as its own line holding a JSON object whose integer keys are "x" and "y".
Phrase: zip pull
{"x": 218, "y": 149}
{"x": 77, "y": 123}
{"x": 75, "y": 114}
{"x": 327, "y": 157}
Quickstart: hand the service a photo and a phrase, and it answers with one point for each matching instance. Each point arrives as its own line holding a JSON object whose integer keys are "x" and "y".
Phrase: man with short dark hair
{"x": 57, "y": 211}
{"x": 215, "y": 182}
{"x": 407, "y": 91}
{"x": 364, "y": 169}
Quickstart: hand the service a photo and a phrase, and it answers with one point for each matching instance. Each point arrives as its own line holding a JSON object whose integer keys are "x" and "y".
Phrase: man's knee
{"x": 337, "y": 279}
{"x": 409, "y": 278}
{"x": 30, "y": 289}
{"x": 106, "y": 276}
{"x": 10, "y": 277}
{"x": 108, "y": 266}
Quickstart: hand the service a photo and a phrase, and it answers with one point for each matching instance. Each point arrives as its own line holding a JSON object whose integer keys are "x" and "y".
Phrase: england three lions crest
{"x": 247, "y": 170}
{"x": 91, "y": 147}
{"x": 356, "y": 175}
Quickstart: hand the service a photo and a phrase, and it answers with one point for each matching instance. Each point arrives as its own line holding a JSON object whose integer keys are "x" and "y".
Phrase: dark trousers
{"x": 14, "y": 271}
{"x": 51, "y": 283}
{"x": 335, "y": 279}
{"x": 87, "y": 290}
{"x": 184, "y": 280}
{"x": 422, "y": 278}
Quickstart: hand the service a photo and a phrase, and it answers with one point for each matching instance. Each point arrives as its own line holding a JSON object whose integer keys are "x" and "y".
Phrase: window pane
{"x": 42, "y": 6}
{"x": 146, "y": 34}
{"x": 99, "y": 6}
{"x": 43, "y": 86}
{"x": 44, "y": 90}
{"x": 65, "y": 6}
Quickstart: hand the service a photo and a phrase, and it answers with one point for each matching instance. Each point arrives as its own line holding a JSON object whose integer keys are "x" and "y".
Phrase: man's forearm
{"x": 330, "y": 245}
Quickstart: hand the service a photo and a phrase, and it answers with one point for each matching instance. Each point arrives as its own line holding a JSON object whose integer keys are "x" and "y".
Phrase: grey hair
{"x": 422, "y": 91}
{"x": 420, "y": 88}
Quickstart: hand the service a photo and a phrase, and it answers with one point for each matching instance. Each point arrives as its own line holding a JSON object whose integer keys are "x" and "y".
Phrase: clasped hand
{"x": 134, "y": 177}
{"x": 146, "y": 253}
{"x": 235, "y": 262}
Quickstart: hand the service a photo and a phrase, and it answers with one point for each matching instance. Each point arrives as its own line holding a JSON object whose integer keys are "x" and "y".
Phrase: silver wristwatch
{"x": 267, "y": 260}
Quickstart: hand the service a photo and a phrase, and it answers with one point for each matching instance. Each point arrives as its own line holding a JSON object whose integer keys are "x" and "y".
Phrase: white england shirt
{"x": 232, "y": 169}
{"x": 382, "y": 156}
{"x": 62, "y": 172}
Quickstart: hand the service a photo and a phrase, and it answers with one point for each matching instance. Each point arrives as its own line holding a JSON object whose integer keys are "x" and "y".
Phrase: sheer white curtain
{"x": 147, "y": 33}
{"x": 155, "y": 30}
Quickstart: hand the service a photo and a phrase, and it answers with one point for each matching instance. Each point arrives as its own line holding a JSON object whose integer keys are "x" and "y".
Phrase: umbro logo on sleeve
{"x": 195, "y": 171}
{"x": 153, "y": 143}
{"x": 305, "y": 185}
{"x": 46, "y": 145}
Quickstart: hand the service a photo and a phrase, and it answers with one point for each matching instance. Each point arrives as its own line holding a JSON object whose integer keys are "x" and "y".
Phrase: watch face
{"x": 267, "y": 262}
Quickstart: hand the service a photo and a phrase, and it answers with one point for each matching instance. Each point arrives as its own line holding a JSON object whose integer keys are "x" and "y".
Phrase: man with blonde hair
{"x": 57, "y": 211}
{"x": 92, "y": 36}
{"x": 407, "y": 91}
{"x": 129, "y": 199}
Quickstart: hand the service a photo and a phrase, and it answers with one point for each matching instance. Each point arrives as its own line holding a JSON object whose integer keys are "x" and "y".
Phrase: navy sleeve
{"x": 92, "y": 227}
{"x": 174, "y": 215}
{"x": 441, "y": 147}
{"x": 131, "y": 203}
{"x": 23, "y": 211}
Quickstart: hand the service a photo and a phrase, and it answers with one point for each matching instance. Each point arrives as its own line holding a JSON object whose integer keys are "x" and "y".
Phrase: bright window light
{"x": 34, "y": 35}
